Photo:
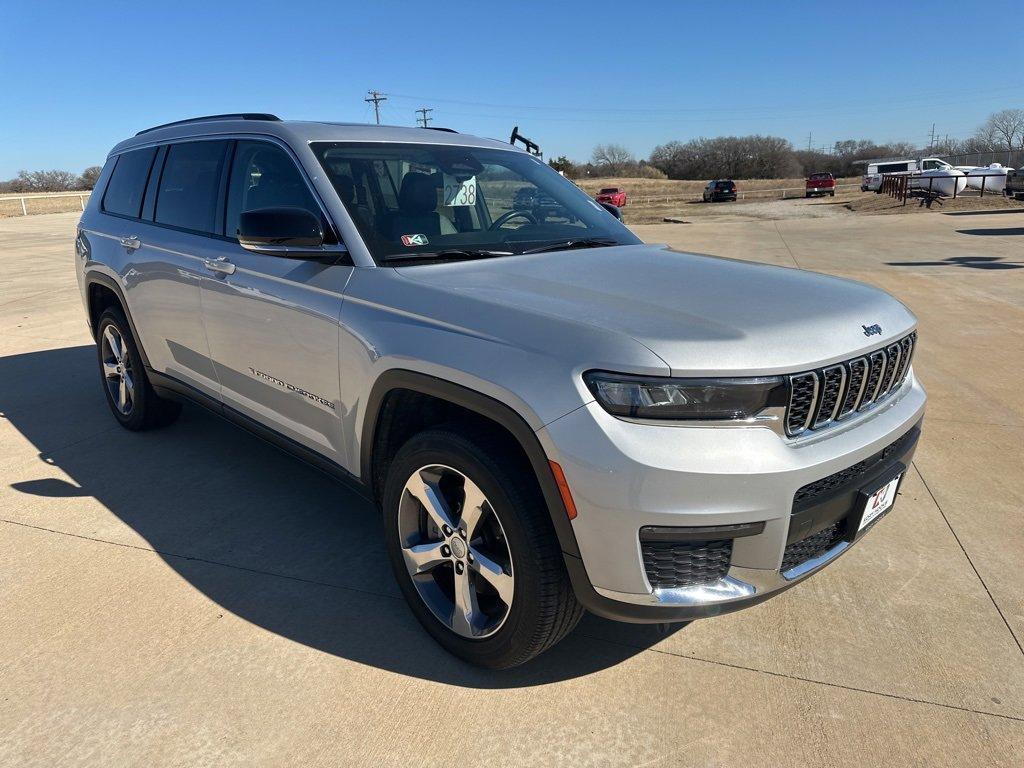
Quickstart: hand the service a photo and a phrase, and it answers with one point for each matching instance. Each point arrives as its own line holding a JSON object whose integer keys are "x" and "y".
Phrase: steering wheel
{"x": 499, "y": 222}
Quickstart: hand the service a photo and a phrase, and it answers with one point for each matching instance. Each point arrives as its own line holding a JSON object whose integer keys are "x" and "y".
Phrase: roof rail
{"x": 234, "y": 116}
{"x": 438, "y": 128}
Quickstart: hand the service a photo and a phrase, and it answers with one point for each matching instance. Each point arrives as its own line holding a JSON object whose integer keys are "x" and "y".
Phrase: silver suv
{"x": 551, "y": 415}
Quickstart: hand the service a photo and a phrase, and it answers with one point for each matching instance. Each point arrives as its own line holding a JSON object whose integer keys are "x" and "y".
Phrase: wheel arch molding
{"x": 483, "y": 406}
{"x": 94, "y": 280}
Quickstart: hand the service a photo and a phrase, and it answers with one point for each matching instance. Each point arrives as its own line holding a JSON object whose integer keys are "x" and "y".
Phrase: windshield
{"x": 409, "y": 199}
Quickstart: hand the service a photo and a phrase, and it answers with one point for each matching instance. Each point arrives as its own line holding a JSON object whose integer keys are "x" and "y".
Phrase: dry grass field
{"x": 687, "y": 189}
{"x": 652, "y": 201}
{"x": 970, "y": 201}
{"x": 51, "y": 202}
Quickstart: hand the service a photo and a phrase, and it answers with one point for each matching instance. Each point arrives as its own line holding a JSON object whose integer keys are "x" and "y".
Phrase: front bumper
{"x": 625, "y": 476}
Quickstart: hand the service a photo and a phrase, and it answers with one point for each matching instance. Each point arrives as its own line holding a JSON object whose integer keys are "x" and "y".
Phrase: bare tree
{"x": 89, "y": 177}
{"x": 45, "y": 181}
{"x": 611, "y": 159}
{"x": 734, "y": 157}
{"x": 1003, "y": 130}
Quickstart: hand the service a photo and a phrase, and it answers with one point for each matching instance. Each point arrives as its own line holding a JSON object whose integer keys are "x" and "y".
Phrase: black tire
{"x": 831, "y": 194}
{"x": 807, "y": 194}
{"x": 148, "y": 410}
{"x": 544, "y": 608}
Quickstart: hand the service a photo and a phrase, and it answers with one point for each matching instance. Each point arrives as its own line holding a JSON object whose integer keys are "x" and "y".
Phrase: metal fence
{"x": 782, "y": 193}
{"x": 904, "y": 185}
{"x": 42, "y": 202}
{"x": 1014, "y": 158}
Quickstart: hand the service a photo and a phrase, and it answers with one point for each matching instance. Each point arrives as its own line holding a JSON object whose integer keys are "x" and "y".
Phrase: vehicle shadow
{"x": 970, "y": 262}
{"x": 989, "y": 231}
{"x": 261, "y": 534}
{"x": 983, "y": 213}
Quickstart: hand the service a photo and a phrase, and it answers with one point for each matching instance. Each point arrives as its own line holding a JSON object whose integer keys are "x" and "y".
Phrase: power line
{"x": 376, "y": 97}
{"x": 744, "y": 110}
{"x": 423, "y": 120}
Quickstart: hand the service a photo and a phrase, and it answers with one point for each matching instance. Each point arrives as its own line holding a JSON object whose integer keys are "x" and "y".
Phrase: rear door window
{"x": 128, "y": 182}
{"x": 190, "y": 185}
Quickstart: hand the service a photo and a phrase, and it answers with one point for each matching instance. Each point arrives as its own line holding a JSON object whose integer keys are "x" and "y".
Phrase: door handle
{"x": 221, "y": 265}
{"x": 131, "y": 241}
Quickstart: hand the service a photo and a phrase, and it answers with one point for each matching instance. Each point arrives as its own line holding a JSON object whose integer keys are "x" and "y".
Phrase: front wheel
{"x": 473, "y": 549}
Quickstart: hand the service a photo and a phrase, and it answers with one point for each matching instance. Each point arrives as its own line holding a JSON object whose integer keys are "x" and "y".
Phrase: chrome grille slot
{"x": 819, "y": 397}
{"x": 906, "y": 350}
{"x": 803, "y": 393}
{"x": 832, "y": 380}
{"x": 892, "y": 354}
{"x": 876, "y": 365}
{"x": 857, "y": 375}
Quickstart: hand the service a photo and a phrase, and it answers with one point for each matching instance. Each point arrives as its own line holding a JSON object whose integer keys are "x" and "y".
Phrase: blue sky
{"x": 78, "y": 77}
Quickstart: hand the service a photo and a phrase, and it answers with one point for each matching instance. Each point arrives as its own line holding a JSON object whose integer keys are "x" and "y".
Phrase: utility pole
{"x": 808, "y": 142}
{"x": 376, "y": 97}
{"x": 423, "y": 120}
{"x": 932, "y": 142}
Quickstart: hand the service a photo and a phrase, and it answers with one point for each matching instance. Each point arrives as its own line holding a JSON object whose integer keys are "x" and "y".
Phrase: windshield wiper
{"x": 448, "y": 253}
{"x": 566, "y": 245}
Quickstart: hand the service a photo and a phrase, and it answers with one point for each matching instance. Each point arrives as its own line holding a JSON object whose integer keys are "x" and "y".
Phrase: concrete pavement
{"x": 193, "y": 596}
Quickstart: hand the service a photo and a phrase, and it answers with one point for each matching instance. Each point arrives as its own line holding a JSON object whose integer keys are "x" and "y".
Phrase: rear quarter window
{"x": 127, "y": 184}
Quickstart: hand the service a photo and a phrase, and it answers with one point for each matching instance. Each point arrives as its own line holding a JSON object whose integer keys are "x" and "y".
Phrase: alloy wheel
{"x": 456, "y": 551}
{"x": 117, "y": 370}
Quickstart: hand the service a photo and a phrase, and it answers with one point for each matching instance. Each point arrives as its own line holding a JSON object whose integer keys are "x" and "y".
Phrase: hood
{"x": 702, "y": 315}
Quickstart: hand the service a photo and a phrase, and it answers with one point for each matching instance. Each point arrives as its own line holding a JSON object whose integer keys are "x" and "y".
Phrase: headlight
{"x": 685, "y": 399}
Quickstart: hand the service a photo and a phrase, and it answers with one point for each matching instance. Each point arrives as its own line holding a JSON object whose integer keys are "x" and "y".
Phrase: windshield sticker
{"x": 411, "y": 240}
{"x": 459, "y": 193}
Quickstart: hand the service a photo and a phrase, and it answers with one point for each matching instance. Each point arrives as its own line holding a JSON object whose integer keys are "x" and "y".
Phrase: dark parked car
{"x": 722, "y": 189}
{"x": 531, "y": 199}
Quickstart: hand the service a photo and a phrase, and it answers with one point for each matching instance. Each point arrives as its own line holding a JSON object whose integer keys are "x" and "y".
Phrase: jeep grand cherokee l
{"x": 551, "y": 415}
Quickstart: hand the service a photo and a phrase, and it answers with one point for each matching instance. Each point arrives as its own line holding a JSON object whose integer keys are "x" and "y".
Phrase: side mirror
{"x": 290, "y": 232}
{"x": 612, "y": 209}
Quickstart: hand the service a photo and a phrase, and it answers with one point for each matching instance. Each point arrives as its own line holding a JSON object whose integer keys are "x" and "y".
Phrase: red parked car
{"x": 820, "y": 184}
{"x": 614, "y": 195}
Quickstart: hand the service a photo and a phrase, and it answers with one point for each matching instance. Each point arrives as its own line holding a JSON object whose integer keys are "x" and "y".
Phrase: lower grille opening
{"x": 843, "y": 477}
{"x": 812, "y": 546}
{"x": 674, "y": 564}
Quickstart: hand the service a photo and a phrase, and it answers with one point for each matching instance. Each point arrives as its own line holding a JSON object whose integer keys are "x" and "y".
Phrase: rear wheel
{"x": 129, "y": 394}
{"x": 473, "y": 550}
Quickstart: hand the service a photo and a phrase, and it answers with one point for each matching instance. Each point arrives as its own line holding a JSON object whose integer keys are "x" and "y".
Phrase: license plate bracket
{"x": 875, "y": 502}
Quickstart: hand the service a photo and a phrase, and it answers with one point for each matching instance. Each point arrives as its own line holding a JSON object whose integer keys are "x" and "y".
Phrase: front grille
{"x": 850, "y": 474}
{"x": 832, "y": 387}
{"x": 671, "y": 564}
{"x": 817, "y": 398}
{"x": 812, "y": 546}
{"x": 803, "y": 391}
{"x": 876, "y": 364}
{"x": 854, "y": 386}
